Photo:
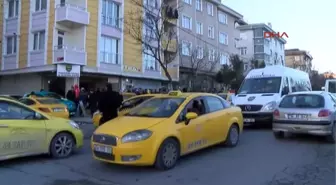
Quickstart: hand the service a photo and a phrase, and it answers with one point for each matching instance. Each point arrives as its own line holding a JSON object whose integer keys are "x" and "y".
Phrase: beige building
{"x": 298, "y": 59}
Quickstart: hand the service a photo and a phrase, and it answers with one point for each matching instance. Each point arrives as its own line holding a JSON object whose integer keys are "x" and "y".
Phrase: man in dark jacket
{"x": 109, "y": 104}
{"x": 71, "y": 94}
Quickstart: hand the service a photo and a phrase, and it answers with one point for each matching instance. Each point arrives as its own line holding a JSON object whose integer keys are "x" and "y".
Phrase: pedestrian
{"x": 92, "y": 101}
{"x": 83, "y": 97}
{"x": 71, "y": 94}
{"x": 109, "y": 104}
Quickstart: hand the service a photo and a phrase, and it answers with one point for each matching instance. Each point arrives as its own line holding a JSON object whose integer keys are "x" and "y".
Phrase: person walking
{"x": 93, "y": 101}
{"x": 71, "y": 94}
{"x": 109, "y": 104}
{"x": 83, "y": 97}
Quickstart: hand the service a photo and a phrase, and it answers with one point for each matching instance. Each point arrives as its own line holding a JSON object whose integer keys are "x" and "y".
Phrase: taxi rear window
{"x": 157, "y": 107}
{"x": 302, "y": 101}
{"x": 48, "y": 101}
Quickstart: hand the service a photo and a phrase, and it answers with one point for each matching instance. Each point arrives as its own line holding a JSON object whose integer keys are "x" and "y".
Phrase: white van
{"x": 263, "y": 88}
{"x": 330, "y": 86}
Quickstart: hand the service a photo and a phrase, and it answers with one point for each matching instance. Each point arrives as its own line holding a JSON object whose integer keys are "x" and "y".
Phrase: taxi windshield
{"x": 48, "y": 101}
{"x": 157, "y": 107}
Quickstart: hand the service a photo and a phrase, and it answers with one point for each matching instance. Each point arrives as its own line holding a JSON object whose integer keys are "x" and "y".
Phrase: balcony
{"x": 72, "y": 15}
{"x": 169, "y": 45}
{"x": 66, "y": 55}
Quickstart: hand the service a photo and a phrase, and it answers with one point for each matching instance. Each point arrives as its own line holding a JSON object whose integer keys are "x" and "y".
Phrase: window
{"x": 13, "y": 8}
{"x": 200, "y": 53}
{"x": 110, "y": 13}
{"x": 109, "y": 50}
{"x": 40, "y": 5}
{"x": 243, "y": 50}
{"x": 222, "y": 18}
{"x": 260, "y": 85}
{"x": 39, "y": 40}
{"x": 223, "y": 59}
{"x": 188, "y": 1}
{"x": 133, "y": 102}
{"x": 60, "y": 39}
{"x": 149, "y": 59}
{"x": 149, "y": 32}
{"x": 199, "y": 5}
{"x": 152, "y": 3}
{"x": 14, "y": 111}
{"x": 199, "y": 28}
{"x": 157, "y": 108}
{"x": 214, "y": 104}
{"x": 297, "y": 58}
{"x": 186, "y": 48}
{"x": 210, "y": 9}
{"x": 211, "y": 32}
{"x": 302, "y": 101}
{"x": 186, "y": 22}
{"x": 223, "y": 38}
{"x": 212, "y": 55}
{"x": 258, "y": 48}
{"x": 27, "y": 101}
{"x": 11, "y": 45}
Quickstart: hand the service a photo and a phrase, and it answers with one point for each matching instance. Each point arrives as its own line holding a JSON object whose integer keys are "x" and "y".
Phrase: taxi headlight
{"x": 74, "y": 124}
{"x": 269, "y": 106}
{"x": 138, "y": 135}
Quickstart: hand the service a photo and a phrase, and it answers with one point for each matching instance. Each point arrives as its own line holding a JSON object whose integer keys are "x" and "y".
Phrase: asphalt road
{"x": 258, "y": 160}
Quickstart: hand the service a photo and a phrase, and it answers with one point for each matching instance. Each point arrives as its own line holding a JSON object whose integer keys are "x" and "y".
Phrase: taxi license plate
{"x": 103, "y": 149}
{"x": 249, "y": 120}
{"x": 58, "y": 110}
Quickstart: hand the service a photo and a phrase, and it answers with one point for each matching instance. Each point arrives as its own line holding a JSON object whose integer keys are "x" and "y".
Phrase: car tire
{"x": 62, "y": 145}
{"x": 233, "y": 136}
{"x": 168, "y": 155}
{"x": 279, "y": 135}
{"x": 332, "y": 137}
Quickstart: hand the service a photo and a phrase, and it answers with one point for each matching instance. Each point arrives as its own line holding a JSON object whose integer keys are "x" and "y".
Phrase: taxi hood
{"x": 124, "y": 124}
{"x": 255, "y": 99}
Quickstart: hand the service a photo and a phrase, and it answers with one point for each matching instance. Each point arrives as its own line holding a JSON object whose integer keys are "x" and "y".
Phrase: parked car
{"x": 310, "y": 112}
{"x": 70, "y": 104}
{"x": 51, "y": 106}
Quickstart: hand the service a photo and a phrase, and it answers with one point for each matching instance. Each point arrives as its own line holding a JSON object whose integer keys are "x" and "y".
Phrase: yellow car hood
{"x": 122, "y": 125}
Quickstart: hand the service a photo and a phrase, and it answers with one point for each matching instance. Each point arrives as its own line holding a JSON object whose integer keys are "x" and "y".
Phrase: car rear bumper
{"x": 257, "y": 118}
{"x": 323, "y": 129}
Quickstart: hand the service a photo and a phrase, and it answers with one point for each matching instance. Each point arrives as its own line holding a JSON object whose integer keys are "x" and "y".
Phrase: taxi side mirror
{"x": 189, "y": 116}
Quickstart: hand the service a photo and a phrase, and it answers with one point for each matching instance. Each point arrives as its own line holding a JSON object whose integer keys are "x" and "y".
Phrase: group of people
{"x": 107, "y": 101}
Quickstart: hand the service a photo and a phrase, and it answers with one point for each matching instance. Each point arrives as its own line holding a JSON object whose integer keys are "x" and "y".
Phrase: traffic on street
{"x": 272, "y": 132}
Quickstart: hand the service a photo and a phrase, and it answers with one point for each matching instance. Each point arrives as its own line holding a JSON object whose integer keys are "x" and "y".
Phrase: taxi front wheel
{"x": 168, "y": 155}
{"x": 62, "y": 145}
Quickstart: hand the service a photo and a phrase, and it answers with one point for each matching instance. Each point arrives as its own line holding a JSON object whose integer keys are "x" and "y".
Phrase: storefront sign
{"x": 68, "y": 70}
{"x": 130, "y": 68}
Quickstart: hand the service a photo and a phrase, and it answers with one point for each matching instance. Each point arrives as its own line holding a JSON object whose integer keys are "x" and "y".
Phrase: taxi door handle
{"x": 3, "y": 126}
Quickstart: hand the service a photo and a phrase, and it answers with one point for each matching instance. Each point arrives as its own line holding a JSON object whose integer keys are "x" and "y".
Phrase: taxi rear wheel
{"x": 168, "y": 154}
{"x": 232, "y": 138}
{"x": 62, "y": 145}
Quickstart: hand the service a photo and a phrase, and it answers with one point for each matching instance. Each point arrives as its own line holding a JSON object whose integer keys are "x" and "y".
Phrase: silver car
{"x": 311, "y": 112}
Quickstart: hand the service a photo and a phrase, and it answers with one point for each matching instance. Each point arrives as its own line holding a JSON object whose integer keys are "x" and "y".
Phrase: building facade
{"x": 208, "y": 36}
{"x": 299, "y": 59}
{"x": 252, "y": 44}
{"x": 54, "y": 44}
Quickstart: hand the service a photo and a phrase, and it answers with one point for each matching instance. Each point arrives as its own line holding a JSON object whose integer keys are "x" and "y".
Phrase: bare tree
{"x": 154, "y": 27}
{"x": 201, "y": 62}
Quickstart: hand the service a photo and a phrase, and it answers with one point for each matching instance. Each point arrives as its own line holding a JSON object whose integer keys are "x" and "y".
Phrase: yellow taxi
{"x": 227, "y": 96}
{"x": 127, "y": 95}
{"x": 127, "y": 105}
{"x": 25, "y": 131}
{"x": 50, "y": 106}
{"x": 161, "y": 129}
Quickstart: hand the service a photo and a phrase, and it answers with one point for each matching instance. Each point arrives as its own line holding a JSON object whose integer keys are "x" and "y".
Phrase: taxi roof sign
{"x": 175, "y": 93}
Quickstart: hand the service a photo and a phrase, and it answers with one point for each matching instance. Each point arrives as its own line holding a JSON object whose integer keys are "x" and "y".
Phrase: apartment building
{"x": 252, "y": 44}
{"x": 54, "y": 44}
{"x": 298, "y": 59}
{"x": 208, "y": 30}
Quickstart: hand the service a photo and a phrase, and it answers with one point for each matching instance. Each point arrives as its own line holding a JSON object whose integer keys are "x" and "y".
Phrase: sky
{"x": 309, "y": 24}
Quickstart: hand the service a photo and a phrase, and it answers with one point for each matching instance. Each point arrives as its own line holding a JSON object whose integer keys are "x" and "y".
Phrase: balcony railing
{"x": 110, "y": 58}
{"x": 66, "y": 13}
{"x": 69, "y": 55}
